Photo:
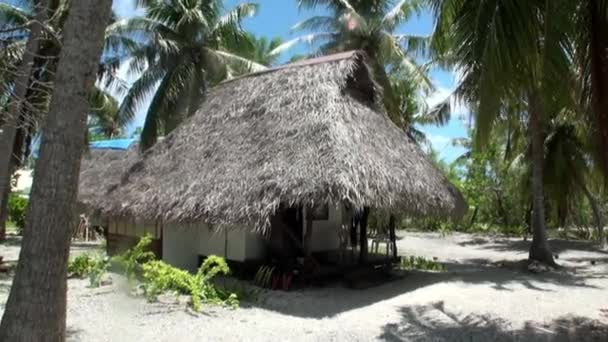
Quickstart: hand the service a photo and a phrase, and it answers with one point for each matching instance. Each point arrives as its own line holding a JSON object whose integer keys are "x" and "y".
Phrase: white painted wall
{"x": 232, "y": 243}
{"x": 325, "y": 235}
{"x": 180, "y": 246}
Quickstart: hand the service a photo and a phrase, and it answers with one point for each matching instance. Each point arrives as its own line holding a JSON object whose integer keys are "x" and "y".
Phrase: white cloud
{"x": 459, "y": 109}
{"x": 438, "y": 141}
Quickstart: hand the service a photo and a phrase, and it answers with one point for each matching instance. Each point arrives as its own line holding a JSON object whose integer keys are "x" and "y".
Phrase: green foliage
{"x": 372, "y": 26}
{"x": 159, "y": 277}
{"x": 421, "y": 263}
{"x": 80, "y": 265}
{"x": 17, "y": 208}
{"x": 131, "y": 260}
{"x": 179, "y": 48}
{"x": 86, "y": 265}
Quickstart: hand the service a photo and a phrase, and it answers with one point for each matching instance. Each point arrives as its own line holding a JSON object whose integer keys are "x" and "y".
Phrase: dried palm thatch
{"x": 100, "y": 170}
{"x": 302, "y": 134}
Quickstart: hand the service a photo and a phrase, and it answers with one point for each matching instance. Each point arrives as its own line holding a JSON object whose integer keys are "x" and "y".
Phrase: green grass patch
{"x": 421, "y": 264}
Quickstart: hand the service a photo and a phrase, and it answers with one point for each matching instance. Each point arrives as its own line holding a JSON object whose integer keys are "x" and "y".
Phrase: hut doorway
{"x": 287, "y": 230}
{"x": 294, "y": 222}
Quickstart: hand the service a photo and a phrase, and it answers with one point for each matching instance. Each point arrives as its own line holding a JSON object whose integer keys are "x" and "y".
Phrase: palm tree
{"x": 36, "y": 307}
{"x": 17, "y": 20}
{"x": 510, "y": 53}
{"x": 589, "y": 30}
{"x": 369, "y": 26}
{"x": 260, "y": 50}
{"x": 179, "y": 48}
{"x": 568, "y": 171}
{"x": 104, "y": 118}
{"x": 413, "y": 110}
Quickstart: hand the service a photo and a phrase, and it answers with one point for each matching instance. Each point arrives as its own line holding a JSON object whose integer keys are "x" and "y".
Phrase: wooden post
{"x": 392, "y": 235}
{"x": 363, "y": 236}
{"x": 308, "y": 233}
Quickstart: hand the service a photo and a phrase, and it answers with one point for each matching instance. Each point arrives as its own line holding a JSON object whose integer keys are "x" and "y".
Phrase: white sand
{"x": 476, "y": 300}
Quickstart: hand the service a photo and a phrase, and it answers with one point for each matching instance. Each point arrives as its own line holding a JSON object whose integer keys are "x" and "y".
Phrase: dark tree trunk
{"x": 9, "y": 128}
{"x": 597, "y": 212}
{"x": 36, "y": 307}
{"x": 363, "y": 236}
{"x": 539, "y": 250}
{"x": 598, "y": 31}
{"x": 473, "y": 217}
{"x": 501, "y": 208}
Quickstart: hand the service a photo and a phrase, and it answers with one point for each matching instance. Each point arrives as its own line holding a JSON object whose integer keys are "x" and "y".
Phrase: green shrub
{"x": 17, "y": 207}
{"x": 80, "y": 265}
{"x": 86, "y": 265}
{"x": 131, "y": 260}
{"x": 159, "y": 277}
{"x": 421, "y": 263}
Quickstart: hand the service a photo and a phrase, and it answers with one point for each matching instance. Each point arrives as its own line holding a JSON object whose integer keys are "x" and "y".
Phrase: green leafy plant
{"x": 17, "y": 207}
{"x": 421, "y": 263}
{"x": 160, "y": 277}
{"x": 80, "y": 265}
{"x": 86, "y": 265}
{"x": 131, "y": 260}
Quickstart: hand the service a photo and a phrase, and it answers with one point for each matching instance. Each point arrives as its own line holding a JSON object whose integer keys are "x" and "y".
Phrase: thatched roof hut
{"x": 307, "y": 133}
{"x": 101, "y": 169}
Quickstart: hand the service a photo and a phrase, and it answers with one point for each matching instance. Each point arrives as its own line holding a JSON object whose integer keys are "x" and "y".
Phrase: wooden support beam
{"x": 308, "y": 233}
{"x": 392, "y": 234}
{"x": 363, "y": 251}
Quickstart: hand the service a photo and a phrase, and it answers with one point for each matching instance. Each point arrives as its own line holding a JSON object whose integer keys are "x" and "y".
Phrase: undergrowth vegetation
{"x": 130, "y": 262}
{"x": 421, "y": 263}
{"x": 88, "y": 265}
{"x": 17, "y": 207}
{"x": 160, "y": 277}
{"x": 156, "y": 277}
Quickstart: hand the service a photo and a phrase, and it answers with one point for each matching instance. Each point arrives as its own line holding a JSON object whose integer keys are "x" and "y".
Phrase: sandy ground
{"x": 484, "y": 296}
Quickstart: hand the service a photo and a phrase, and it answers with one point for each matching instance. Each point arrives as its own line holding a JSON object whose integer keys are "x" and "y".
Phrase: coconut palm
{"x": 369, "y": 26}
{"x": 260, "y": 50}
{"x": 104, "y": 118}
{"x": 17, "y": 21}
{"x": 413, "y": 109}
{"x": 589, "y": 33}
{"x": 179, "y": 48}
{"x": 510, "y": 54}
{"x": 569, "y": 174}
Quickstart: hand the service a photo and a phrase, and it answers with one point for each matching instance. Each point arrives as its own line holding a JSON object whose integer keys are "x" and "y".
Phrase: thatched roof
{"x": 100, "y": 170}
{"x": 307, "y": 133}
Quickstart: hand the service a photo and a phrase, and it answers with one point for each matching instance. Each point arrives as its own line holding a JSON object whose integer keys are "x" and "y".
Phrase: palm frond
{"x": 310, "y": 39}
{"x": 319, "y": 22}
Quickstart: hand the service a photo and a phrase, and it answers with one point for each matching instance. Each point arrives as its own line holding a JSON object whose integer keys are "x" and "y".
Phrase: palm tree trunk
{"x": 539, "y": 250}
{"x": 597, "y": 213}
{"x": 9, "y": 128}
{"x": 598, "y": 31}
{"x": 36, "y": 307}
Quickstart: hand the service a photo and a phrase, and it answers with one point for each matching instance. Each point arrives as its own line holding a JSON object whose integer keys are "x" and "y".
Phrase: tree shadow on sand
{"x": 434, "y": 323}
{"x": 330, "y": 301}
{"x": 519, "y": 245}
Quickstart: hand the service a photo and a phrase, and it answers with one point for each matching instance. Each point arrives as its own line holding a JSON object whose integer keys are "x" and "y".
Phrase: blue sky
{"x": 275, "y": 19}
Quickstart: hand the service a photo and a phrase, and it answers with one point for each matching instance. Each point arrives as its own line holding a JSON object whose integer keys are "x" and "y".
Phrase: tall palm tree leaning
{"x": 179, "y": 48}
{"x": 36, "y": 306}
{"x": 510, "y": 52}
{"x": 9, "y": 121}
{"x": 31, "y": 99}
{"x": 369, "y": 26}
